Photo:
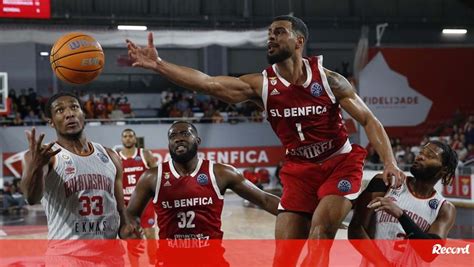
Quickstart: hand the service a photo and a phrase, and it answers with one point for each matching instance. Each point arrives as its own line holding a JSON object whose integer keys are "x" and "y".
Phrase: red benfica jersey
{"x": 307, "y": 119}
{"x": 133, "y": 168}
{"x": 188, "y": 207}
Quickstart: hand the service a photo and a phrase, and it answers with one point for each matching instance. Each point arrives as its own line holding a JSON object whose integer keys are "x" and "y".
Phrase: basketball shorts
{"x": 306, "y": 183}
{"x": 148, "y": 219}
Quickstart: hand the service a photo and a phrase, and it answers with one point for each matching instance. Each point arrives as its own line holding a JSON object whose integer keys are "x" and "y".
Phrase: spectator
{"x": 469, "y": 130}
{"x": 372, "y": 155}
{"x": 13, "y": 97}
{"x": 18, "y": 121}
{"x": 409, "y": 156}
{"x": 217, "y": 117}
{"x": 32, "y": 119}
{"x": 12, "y": 196}
{"x": 455, "y": 142}
{"x": 175, "y": 112}
{"x": 188, "y": 113}
{"x": 32, "y": 97}
{"x": 122, "y": 99}
{"x": 399, "y": 152}
{"x": 462, "y": 152}
{"x": 117, "y": 114}
{"x": 89, "y": 107}
{"x": 183, "y": 103}
{"x": 100, "y": 111}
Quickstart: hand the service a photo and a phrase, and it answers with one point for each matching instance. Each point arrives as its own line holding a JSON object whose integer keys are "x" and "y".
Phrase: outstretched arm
{"x": 229, "y": 177}
{"x": 376, "y": 134}
{"x": 38, "y": 161}
{"x": 226, "y": 88}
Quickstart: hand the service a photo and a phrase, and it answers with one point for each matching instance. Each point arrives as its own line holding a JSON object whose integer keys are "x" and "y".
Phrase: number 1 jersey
{"x": 306, "y": 118}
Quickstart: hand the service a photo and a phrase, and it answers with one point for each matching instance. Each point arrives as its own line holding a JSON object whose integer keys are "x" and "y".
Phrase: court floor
{"x": 239, "y": 221}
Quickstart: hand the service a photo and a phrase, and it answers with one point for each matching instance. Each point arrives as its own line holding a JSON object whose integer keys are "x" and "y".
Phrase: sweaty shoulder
{"x": 226, "y": 175}
{"x": 220, "y": 168}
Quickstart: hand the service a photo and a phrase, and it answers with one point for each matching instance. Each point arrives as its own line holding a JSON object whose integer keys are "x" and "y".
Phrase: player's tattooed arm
{"x": 353, "y": 104}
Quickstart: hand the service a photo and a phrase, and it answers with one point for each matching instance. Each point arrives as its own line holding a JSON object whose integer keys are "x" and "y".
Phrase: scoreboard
{"x": 33, "y": 9}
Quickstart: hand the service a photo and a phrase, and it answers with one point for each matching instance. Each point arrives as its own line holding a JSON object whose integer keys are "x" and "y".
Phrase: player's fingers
{"x": 150, "y": 40}
{"x": 385, "y": 178}
{"x": 49, "y": 146}
{"x": 40, "y": 141}
{"x": 33, "y": 138}
{"x": 133, "y": 45}
{"x": 54, "y": 153}
{"x": 28, "y": 138}
{"x": 375, "y": 203}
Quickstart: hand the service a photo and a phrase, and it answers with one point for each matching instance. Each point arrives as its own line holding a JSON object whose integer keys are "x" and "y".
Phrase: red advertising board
{"x": 239, "y": 157}
{"x": 33, "y": 9}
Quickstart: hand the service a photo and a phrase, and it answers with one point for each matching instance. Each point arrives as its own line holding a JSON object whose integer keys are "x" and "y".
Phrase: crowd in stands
{"x": 207, "y": 109}
{"x": 27, "y": 109}
{"x": 460, "y": 136}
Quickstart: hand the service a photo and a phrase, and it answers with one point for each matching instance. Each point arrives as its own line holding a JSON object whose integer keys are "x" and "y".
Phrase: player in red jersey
{"x": 187, "y": 193}
{"x": 323, "y": 171}
{"x": 135, "y": 161}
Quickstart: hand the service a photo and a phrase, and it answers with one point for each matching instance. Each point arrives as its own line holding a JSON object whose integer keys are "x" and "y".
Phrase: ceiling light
{"x": 454, "y": 31}
{"x": 44, "y": 54}
{"x": 131, "y": 28}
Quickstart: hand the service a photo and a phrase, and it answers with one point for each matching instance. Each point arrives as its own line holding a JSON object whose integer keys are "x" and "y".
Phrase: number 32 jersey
{"x": 189, "y": 207}
{"x": 306, "y": 118}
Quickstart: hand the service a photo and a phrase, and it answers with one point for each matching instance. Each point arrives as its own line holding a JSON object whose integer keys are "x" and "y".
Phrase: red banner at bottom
{"x": 240, "y": 253}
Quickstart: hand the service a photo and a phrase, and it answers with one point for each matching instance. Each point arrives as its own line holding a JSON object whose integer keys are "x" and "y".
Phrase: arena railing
{"x": 124, "y": 121}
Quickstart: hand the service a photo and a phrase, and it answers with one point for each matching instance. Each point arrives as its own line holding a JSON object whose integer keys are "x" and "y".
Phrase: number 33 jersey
{"x": 188, "y": 207}
{"x": 79, "y": 198}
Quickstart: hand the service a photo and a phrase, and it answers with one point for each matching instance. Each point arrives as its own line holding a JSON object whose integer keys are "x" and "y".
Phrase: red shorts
{"x": 306, "y": 183}
{"x": 147, "y": 220}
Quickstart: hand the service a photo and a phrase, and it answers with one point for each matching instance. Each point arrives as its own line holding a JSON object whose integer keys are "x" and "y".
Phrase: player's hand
{"x": 393, "y": 176}
{"x": 131, "y": 231}
{"x": 145, "y": 57}
{"x": 40, "y": 154}
{"x": 387, "y": 205}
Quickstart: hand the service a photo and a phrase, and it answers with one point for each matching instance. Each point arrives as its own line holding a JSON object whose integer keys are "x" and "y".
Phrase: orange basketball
{"x": 77, "y": 58}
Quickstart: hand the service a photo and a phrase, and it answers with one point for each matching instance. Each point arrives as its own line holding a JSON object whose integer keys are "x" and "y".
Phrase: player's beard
{"x": 73, "y": 136}
{"x": 279, "y": 57}
{"x": 128, "y": 146}
{"x": 185, "y": 157}
{"x": 425, "y": 173}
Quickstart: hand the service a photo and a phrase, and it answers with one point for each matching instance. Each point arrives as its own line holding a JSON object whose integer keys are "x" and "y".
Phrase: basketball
{"x": 77, "y": 58}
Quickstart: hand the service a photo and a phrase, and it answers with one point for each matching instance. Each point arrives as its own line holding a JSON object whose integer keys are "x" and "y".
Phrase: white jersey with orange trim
{"x": 79, "y": 199}
{"x": 423, "y": 211}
